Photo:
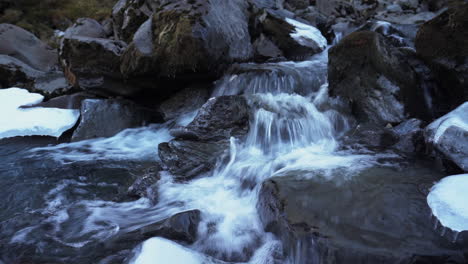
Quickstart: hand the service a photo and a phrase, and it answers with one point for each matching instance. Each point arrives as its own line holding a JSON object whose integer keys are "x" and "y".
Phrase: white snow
{"x": 37, "y": 121}
{"x": 458, "y": 118}
{"x": 448, "y": 201}
{"x": 158, "y": 250}
{"x": 307, "y": 35}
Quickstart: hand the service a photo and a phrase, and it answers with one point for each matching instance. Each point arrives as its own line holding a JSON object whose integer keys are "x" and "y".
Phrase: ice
{"x": 307, "y": 35}
{"x": 458, "y": 118}
{"x": 159, "y": 250}
{"x": 448, "y": 201}
{"x": 36, "y": 121}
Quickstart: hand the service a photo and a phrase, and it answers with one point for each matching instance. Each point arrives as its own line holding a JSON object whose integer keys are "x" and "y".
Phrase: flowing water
{"x": 65, "y": 202}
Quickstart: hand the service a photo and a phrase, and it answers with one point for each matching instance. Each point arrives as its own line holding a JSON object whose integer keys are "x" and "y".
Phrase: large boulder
{"x": 443, "y": 43}
{"x": 378, "y": 215}
{"x": 448, "y": 137}
{"x": 295, "y": 40}
{"x": 198, "y": 146}
{"x": 86, "y": 27}
{"x": 366, "y": 70}
{"x": 24, "y": 46}
{"x": 187, "y": 37}
{"x": 128, "y": 15}
{"x": 105, "y": 118}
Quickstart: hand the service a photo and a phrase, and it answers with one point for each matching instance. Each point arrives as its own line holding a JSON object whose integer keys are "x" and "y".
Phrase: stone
{"x": 86, "y": 27}
{"x": 24, "y": 46}
{"x": 185, "y": 101}
{"x": 105, "y": 118}
{"x": 371, "y": 74}
{"x": 145, "y": 186}
{"x": 377, "y": 215}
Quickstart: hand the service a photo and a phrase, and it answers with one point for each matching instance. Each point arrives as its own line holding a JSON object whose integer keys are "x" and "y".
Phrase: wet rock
{"x": 105, "y": 118}
{"x": 366, "y": 137}
{"x": 191, "y": 37}
{"x": 182, "y": 227}
{"x": 71, "y": 101}
{"x": 375, "y": 78}
{"x": 266, "y": 49}
{"x": 399, "y": 35}
{"x": 145, "y": 185}
{"x": 443, "y": 43}
{"x": 24, "y": 46}
{"x": 187, "y": 100}
{"x": 185, "y": 159}
{"x": 295, "y": 39}
{"x": 219, "y": 119}
{"x": 411, "y": 136}
{"x": 378, "y": 215}
{"x": 86, "y": 27}
{"x": 448, "y": 137}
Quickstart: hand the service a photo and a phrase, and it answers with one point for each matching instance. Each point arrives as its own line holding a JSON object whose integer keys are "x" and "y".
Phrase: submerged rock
{"x": 105, "y": 118}
{"x": 448, "y": 136}
{"x": 378, "y": 215}
{"x": 375, "y": 78}
{"x": 146, "y": 185}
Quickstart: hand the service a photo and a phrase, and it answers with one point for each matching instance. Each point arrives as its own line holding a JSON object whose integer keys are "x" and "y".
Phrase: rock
{"x": 15, "y": 73}
{"x": 411, "y": 138}
{"x": 378, "y": 215}
{"x": 443, "y": 43}
{"x": 219, "y": 119}
{"x": 298, "y": 4}
{"x": 399, "y": 35}
{"x": 185, "y": 101}
{"x": 186, "y": 159}
{"x": 128, "y": 15}
{"x": 408, "y": 4}
{"x": 182, "y": 226}
{"x": 265, "y": 49}
{"x": 295, "y": 39}
{"x": 86, "y": 27}
{"x": 145, "y": 186}
{"x": 366, "y": 137}
{"x": 24, "y": 46}
{"x": 448, "y": 137}
{"x": 191, "y": 37}
{"x": 71, "y": 101}
{"x": 394, "y": 8}
{"x": 375, "y": 78}
{"x": 105, "y": 118}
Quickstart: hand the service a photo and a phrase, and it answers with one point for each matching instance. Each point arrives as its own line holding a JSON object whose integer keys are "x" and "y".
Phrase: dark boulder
{"x": 15, "y": 73}
{"x": 24, "y": 46}
{"x": 366, "y": 70}
{"x": 188, "y": 100}
{"x": 198, "y": 146}
{"x": 378, "y": 215}
{"x": 443, "y": 43}
{"x": 128, "y": 15}
{"x": 191, "y": 37}
{"x": 86, "y": 27}
{"x": 71, "y": 101}
{"x": 448, "y": 138}
{"x": 146, "y": 185}
{"x": 219, "y": 119}
{"x": 105, "y": 118}
{"x": 186, "y": 159}
{"x": 411, "y": 137}
{"x": 295, "y": 39}
{"x": 366, "y": 137}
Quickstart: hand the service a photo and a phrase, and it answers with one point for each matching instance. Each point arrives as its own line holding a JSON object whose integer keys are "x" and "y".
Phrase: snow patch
{"x": 307, "y": 35}
{"x": 36, "y": 121}
{"x": 448, "y": 201}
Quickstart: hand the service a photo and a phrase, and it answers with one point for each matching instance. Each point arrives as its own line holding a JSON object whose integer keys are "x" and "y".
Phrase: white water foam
{"x": 307, "y": 35}
{"x": 36, "y": 121}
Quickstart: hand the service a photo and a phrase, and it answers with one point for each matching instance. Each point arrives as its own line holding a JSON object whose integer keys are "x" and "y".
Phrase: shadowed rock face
{"x": 378, "y": 215}
{"x": 375, "y": 77}
{"x": 443, "y": 43}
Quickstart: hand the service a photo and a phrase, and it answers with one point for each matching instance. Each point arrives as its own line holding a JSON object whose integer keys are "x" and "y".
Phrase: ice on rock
{"x": 36, "y": 121}
{"x": 458, "y": 118}
{"x": 162, "y": 251}
{"x": 307, "y": 35}
{"x": 448, "y": 201}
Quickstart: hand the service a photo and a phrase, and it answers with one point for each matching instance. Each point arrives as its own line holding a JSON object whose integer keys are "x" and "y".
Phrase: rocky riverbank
{"x": 292, "y": 131}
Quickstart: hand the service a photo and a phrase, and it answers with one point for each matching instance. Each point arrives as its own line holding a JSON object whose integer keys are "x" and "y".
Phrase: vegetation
{"x": 42, "y": 17}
